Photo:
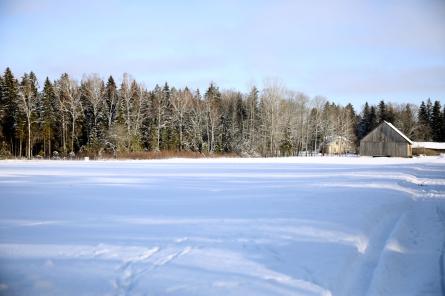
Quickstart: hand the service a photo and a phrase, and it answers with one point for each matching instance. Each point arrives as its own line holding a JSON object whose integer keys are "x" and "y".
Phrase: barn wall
{"x": 385, "y": 149}
{"x": 385, "y": 141}
{"x": 337, "y": 148}
{"x": 428, "y": 152}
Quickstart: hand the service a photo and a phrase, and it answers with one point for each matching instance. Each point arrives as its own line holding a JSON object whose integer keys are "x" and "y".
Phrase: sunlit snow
{"x": 288, "y": 226}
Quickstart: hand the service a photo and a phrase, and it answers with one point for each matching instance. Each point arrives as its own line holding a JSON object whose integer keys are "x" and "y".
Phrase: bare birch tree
{"x": 28, "y": 105}
{"x": 181, "y": 102}
{"x": 71, "y": 102}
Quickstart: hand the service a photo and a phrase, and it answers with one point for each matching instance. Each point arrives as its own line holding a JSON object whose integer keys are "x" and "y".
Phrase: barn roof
{"x": 399, "y": 132}
{"x": 392, "y": 127}
{"x": 332, "y": 139}
{"x": 429, "y": 145}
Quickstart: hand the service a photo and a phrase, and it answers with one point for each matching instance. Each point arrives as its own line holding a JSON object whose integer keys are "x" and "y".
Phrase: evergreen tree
{"x": 423, "y": 131}
{"x": 169, "y": 135}
{"x": 372, "y": 119}
{"x": 279, "y": 122}
{"x": 363, "y": 123}
{"x": 423, "y": 116}
{"x": 214, "y": 114}
{"x": 228, "y": 115}
{"x": 382, "y": 115}
{"x": 49, "y": 116}
{"x": 111, "y": 101}
{"x": 385, "y": 112}
{"x": 10, "y": 98}
{"x": 157, "y": 114}
{"x": 436, "y": 122}
{"x": 443, "y": 125}
{"x": 241, "y": 115}
{"x": 429, "y": 110}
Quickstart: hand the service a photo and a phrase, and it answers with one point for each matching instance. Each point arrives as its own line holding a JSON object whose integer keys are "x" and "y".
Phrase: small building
{"x": 337, "y": 145}
{"x": 428, "y": 148}
{"x": 386, "y": 140}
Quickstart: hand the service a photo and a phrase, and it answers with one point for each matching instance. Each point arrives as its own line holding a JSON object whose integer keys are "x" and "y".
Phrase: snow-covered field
{"x": 290, "y": 226}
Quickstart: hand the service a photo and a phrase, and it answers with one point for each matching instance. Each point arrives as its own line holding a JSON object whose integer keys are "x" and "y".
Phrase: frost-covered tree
{"x": 274, "y": 121}
{"x": 93, "y": 93}
{"x": 196, "y": 124}
{"x": 132, "y": 98}
{"x": 181, "y": 102}
{"x": 71, "y": 101}
{"x": 252, "y": 118}
{"x": 213, "y": 110}
{"x": 29, "y": 105}
{"x": 111, "y": 102}
{"x": 158, "y": 109}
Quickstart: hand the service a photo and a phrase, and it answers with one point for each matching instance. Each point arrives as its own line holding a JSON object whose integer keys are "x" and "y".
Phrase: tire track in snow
{"x": 362, "y": 271}
{"x": 441, "y": 215}
{"x": 370, "y": 261}
{"x": 167, "y": 259}
{"x": 382, "y": 250}
{"x": 130, "y": 273}
{"x": 126, "y": 279}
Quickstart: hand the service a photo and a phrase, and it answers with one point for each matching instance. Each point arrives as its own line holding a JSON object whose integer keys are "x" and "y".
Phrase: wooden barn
{"x": 386, "y": 140}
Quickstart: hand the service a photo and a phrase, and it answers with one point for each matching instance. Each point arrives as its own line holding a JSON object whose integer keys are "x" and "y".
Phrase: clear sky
{"x": 348, "y": 51}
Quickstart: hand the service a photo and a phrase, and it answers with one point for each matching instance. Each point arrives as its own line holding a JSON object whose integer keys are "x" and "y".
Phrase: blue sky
{"x": 348, "y": 51}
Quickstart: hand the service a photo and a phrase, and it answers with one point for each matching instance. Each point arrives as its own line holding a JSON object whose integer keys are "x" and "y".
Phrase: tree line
{"x": 96, "y": 117}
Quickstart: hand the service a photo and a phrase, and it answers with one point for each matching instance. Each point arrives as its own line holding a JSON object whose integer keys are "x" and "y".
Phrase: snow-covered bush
{"x": 56, "y": 155}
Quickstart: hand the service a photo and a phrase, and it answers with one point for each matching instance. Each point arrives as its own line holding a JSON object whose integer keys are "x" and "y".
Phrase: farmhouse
{"x": 337, "y": 145}
{"x": 386, "y": 140}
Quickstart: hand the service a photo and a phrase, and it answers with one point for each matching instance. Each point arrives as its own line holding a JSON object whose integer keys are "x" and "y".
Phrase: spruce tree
{"x": 157, "y": 115}
{"x": 423, "y": 114}
{"x": 382, "y": 112}
{"x": 111, "y": 101}
{"x": 436, "y": 122}
{"x": 429, "y": 110}
{"x": 443, "y": 126}
{"x": 372, "y": 119}
{"x": 363, "y": 123}
{"x": 424, "y": 130}
{"x": 241, "y": 116}
{"x": 169, "y": 135}
{"x": 214, "y": 115}
{"x": 49, "y": 116}
{"x": 10, "y": 97}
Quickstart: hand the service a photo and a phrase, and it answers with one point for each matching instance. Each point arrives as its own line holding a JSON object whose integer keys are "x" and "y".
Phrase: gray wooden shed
{"x": 386, "y": 140}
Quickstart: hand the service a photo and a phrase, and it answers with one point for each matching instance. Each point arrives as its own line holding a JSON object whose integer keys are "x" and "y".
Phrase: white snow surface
{"x": 277, "y": 226}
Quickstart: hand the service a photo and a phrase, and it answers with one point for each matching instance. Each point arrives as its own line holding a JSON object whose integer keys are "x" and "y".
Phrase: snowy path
{"x": 297, "y": 226}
